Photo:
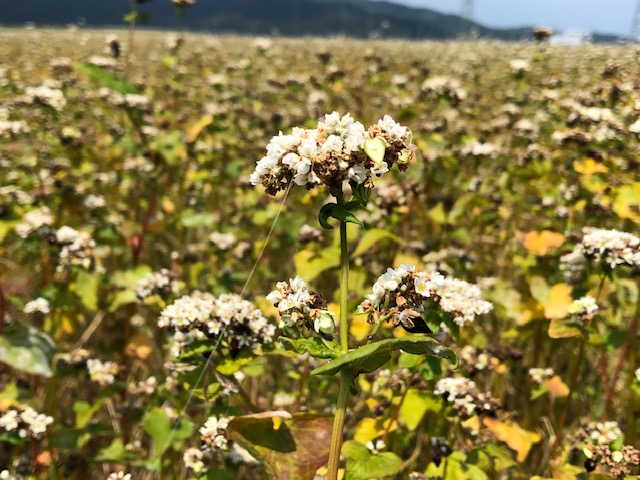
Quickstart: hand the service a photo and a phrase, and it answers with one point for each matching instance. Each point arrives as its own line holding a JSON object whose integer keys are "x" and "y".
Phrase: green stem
{"x": 344, "y": 282}
{"x": 345, "y": 380}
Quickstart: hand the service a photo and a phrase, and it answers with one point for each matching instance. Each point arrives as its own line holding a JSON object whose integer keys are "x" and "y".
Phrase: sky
{"x": 603, "y": 16}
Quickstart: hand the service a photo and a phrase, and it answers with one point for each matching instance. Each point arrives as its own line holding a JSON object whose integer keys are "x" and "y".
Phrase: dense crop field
{"x": 138, "y": 248}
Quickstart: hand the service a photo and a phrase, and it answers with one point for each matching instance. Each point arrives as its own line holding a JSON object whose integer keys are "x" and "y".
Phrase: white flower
{"x": 463, "y": 300}
{"x": 33, "y": 221}
{"x": 585, "y": 306}
{"x": 40, "y": 305}
{"x": 376, "y": 447}
{"x": 539, "y": 375}
{"x": 192, "y": 458}
{"x": 611, "y": 247}
{"x": 519, "y": 66}
{"x": 325, "y": 323}
{"x": 102, "y": 372}
{"x": 10, "y": 420}
{"x": 223, "y": 241}
{"x": 604, "y": 433}
{"x": 427, "y": 284}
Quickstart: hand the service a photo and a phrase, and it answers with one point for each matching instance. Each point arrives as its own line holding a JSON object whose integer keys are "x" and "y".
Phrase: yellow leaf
{"x": 277, "y": 421}
{"x": 168, "y": 205}
{"x": 555, "y": 301}
{"x": 627, "y": 202}
{"x": 194, "y": 131}
{"x": 369, "y": 429}
{"x": 556, "y": 387}
{"x": 559, "y": 302}
{"x": 140, "y": 346}
{"x": 516, "y": 438}
{"x": 588, "y": 166}
{"x": 359, "y": 328}
{"x": 541, "y": 243}
{"x": 472, "y": 424}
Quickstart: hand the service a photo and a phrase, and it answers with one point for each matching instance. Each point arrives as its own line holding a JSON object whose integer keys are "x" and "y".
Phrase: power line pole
{"x": 467, "y": 14}
{"x": 635, "y": 26}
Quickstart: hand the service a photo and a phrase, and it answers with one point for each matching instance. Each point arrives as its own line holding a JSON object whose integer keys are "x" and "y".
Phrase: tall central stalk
{"x": 345, "y": 380}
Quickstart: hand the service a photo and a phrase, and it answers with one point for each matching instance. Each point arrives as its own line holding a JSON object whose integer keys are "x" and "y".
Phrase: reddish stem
{"x": 632, "y": 334}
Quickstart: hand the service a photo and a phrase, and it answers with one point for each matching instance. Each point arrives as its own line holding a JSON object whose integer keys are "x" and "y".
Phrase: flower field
{"x": 240, "y": 258}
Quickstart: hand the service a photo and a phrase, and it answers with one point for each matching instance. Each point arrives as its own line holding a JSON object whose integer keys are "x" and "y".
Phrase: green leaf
{"x": 163, "y": 432}
{"x": 115, "y": 452}
{"x": 288, "y": 447}
{"x": 564, "y": 328}
{"x": 333, "y": 210}
{"x": 316, "y": 347}
{"x": 364, "y": 465}
{"x": 129, "y": 278}
{"x": 171, "y": 147}
{"x": 370, "y": 238}
{"x": 229, "y": 366}
{"x": 84, "y": 412}
{"x": 27, "y": 350}
{"x": 430, "y": 368}
{"x": 87, "y": 289}
{"x": 375, "y": 148}
{"x": 107, "y": 79}
{"x": 191, "y": 219}
{"x": 122, "y": 298}
{"x": 415, "y": 405}
{"x": 368, "y": 357}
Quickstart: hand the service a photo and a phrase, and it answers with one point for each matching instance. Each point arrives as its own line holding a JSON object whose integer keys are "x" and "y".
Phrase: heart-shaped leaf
{"x": 362, "y": 464}
{"x": 27, "y": 350}
{"x": 289, "y": 447}
{"x": 333, "y": 210}
{"x": 372, "y": 356}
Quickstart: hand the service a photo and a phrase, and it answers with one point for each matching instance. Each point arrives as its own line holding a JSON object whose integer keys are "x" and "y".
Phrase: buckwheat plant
{"x": 347, "y": 158}
{"x": 606, "y": 252}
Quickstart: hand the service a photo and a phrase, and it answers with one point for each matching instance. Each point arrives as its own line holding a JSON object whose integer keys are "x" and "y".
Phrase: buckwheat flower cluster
{"x": 47, "y": 95}
{"x": 400, "y": 295}
{"x": 102, "y": 372}
{"x": 466, "y": 398}
{"x": 637, "y": 373}
{"x": 598, "y": 441}
{"x": 39, "y": 305}
{"x": 463, "y": 300}
{"x": 161, "y": 283}
{"x": 192, "y": 459}
{"x": 223, "y": 241}
{"x": 602, "y": 433}
{"x": 33, "y": 221}
{"x": 477, "y": 359}
{"x": 119, "y": 476}
{"x": 331, "y": 154}
{"x": 143, "y": 387}
{"x": 202, "y": 315}
{"x": 610, "y": 247}
{"x": 583, "y": 309}
{"x": 214, "y": 432}
{"x": 540, "y": 375}
{"x": 10, "y": 128}
{"x": 299, "y": 307}
{"x": 76, "y": 247}
{"x": 26, "y": 423}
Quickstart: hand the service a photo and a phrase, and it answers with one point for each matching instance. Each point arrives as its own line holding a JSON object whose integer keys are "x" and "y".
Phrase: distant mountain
{"x": 355, "y": 18}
